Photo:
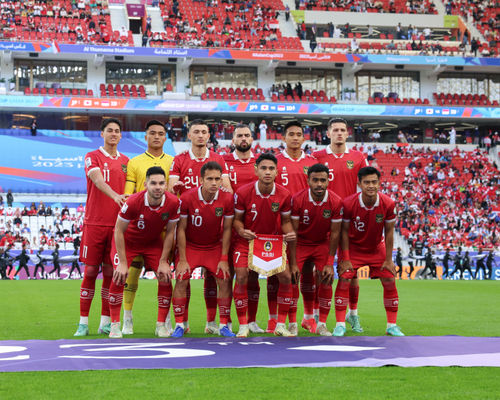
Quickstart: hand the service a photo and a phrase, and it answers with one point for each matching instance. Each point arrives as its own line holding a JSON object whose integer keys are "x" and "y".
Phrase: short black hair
{"x": 106, "y": 121}
{"x": 337, "y": 120}
{"x": 154, "y": 122}
{"x": 290, "y": 124}
{"x": 266, "y": 156}
{"x": 365, "y": 171}
{"x": 240, "y": 126}
{"x": 210, "y": 166}
{"x": 155, "y": 171}
{"x": 317, "y": 168}
{"x": 197, "y": 121}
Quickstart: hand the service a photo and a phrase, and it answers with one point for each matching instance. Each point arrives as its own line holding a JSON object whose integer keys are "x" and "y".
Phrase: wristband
{"x": 330, "y": 260}
{"x": 223, "y": 257}
{"x": 345, "y": 255}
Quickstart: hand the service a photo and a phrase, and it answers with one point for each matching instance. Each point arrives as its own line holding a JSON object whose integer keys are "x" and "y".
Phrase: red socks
{"x": 391, "y": 301}
{"x": 188, "y": 297}
{"x": 292, "y": 312}
{"x": 353, "y": 297}
{"x": 115, "y": 301}
{"x": 164, "y": 298}
{"x": 87, "y": 290}
{"x": 308, "y": 291}
{"x": 179, "y": 307}
{"x": 341, "y": 300}
{"x": 106, "y": 282}
{"x": 272, "y": 294}
{"x": 210, "y": 294}
{"x": 253, "y": 288}
{"x": 224, "y": 309}
{"x": 284, "y": 300}
{"x": 325, "y": 301}
{"x": 241, "y": 302}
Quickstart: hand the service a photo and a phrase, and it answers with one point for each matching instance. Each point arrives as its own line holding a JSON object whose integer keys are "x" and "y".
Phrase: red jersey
{"x": 292, "y": 173}
{"x": 366, "y": 230}
{"x": 147, "y": 223}
{"x": 205, "y": 220}
{"x": 315, "y": 218}
{"x": 187, "y": 167}
{"x": 101, "y": 209}
{"x": 241, "y": 171}
{"x": 343, "y": 168}
{"x": 262, "y": 212}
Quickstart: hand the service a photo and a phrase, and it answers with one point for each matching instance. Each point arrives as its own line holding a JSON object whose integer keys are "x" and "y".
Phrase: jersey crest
{"x": 327, "y": 213}
{"x": 164, "y": 216}
{"x": 350, "y": 164}
{"x": 275, "y": 207}
{"x": 379, "y": 218}
{"x": 219, "y": 211}
{"x": 124, "y": 168}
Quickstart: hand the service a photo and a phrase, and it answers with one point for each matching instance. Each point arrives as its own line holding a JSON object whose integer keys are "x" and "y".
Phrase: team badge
{"x": 268, "y": 246}
{"x": 164, "y": 216}
{"x": 306, "y": 168}
{"x": 275, "y": 207}
{"x": 379, "y": 218}
{"x": 124, "y": 168}
{"x": 350, "y": 164}
{"x": 218, "y": 211}
{"x": 327, "y": 213}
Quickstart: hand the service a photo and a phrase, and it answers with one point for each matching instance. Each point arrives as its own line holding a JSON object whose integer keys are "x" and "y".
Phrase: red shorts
{"x": 95, "y": 248}
{"x": 316, "y": 254}
{"x": 197, "y": 257}
{"x": 151, "y": 254}
{"x": 240, "y": 255}
{"x": 374, "y": 260}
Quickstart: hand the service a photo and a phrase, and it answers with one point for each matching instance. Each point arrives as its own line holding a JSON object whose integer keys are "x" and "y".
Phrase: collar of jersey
{"x": 109, "y": 155}
{"x": 302, "y": 156}
{"x": 193, "y": 157}
{"x": 152, "y": 156}
{"x": 257, "y": 191}
{"x": 235, "y": 156}
{"x": 325, "y": 198}
{"x": 146, "y": 202}
{"x": 200, "y": 197}
{"x": 363, "y": 204}
{"x": 329, "y": 151}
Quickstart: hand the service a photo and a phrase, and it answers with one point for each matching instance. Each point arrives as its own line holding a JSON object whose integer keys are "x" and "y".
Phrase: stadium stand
{"x": 372, "y": 6}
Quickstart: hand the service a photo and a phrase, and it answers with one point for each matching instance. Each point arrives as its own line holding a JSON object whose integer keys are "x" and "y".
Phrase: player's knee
{"x": 285, "y": 277}
{"x": 91, "y": 272}
{"x": 241, "y": 276}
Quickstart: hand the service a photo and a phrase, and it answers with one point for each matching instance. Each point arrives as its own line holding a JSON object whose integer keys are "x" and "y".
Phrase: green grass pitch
{"x": 49, "y": 310}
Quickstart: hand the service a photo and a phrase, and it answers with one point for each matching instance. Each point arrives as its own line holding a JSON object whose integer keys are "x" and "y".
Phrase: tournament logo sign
{"x": 327, "y": 213}
{"x": 267, "y": 255}
{"x": 350, "y": 164}
{"x": 379, "y": 218}
{"x": 164, "y": 216}
{"x": 218, "y": 211}
{"x": 275, "y": 207}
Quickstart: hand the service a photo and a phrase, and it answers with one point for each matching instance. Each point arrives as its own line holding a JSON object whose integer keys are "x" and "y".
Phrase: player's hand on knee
{"x": 344, "y": 266}
{"x": 223, "y": 267}
{"x": 182, "y": 269}
{"x": 327, "y": 275}
{"x": 120, "y": 274}
{"x": 164, "y": 273}
{"x": 389, "y": 266}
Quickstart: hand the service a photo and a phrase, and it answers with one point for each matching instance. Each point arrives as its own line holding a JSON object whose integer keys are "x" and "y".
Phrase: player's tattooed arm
{"x": 239, "y": 226}
{"x": 164, "y": 273}
{"x": 96, "y": 176}
{"x": 345, "y": 265}
{"x": 120, "y": 259}
{"x": 182, "y": 266}
{"x": 389, "y": 246}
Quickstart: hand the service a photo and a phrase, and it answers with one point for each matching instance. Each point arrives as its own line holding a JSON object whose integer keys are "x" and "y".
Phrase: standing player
{"x": 368, "y": 218}
{"x": 154, "y": 156}
{"x": 184, "y": 175}
{"x": 55, "y": 261}
{"x": 258, "y": 209}
{"x": 293, "y": 163}
{"x": 203, "y": 238}
{"x": 138, "y": 232}
{"x": 344, "y": 165}
{"x": 23, "y": 261}
{"x": 316, "y": 218}
{"x": 241, "y": 167}
{"x": 106, "y": 170}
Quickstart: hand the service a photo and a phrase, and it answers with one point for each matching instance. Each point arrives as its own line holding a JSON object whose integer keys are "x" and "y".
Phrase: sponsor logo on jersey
{"x": 164, "y": 216}
{"x": 124, "y": 168}
{"x": 268, "y": 246}
{"x": 218, "y": 211}
{"x": 327, "y": 213}
{"x": 124, "y": 208}
{"x": 379, "y": 218}
{"x": 350, "y": 164}
{"x": 275, "y": 207}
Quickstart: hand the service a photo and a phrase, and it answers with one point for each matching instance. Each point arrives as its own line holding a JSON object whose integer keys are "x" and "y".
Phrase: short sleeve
{"x": 175, "y": 168}
{"x": 176, "y": 210}
{"x": 128, "y": 212}
{"x": 346, "y": 216}
{"x": 239, "y": 202}
{"x": 184, "y": 206}
{"x": 131, "y": 181}
{"x": 337, "y": 210}
{"x": 390, "y": 215}
{"x": 229, "y": 207}
{"x": 295, "y": 207}
{"x": 286, "y": 208}
{"x": 91, "y": 163}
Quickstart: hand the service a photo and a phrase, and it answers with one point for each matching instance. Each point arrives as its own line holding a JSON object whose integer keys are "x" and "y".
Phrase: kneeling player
{"x": 316, "y": 218}
{"x": 368, "y": 217}
{"x": 138, "y": 232}
{"x": 203, "y": 238}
